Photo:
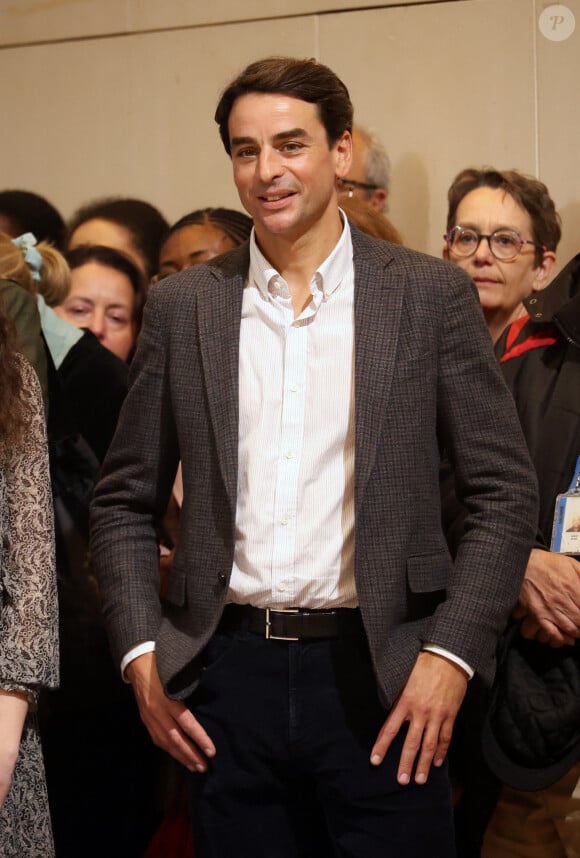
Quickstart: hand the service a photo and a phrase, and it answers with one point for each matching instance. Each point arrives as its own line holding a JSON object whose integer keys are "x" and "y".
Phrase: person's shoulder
{"x": 559, "y": 300}
{"x": 230, "y": 266}
{"x": 88, "y": 358}
{"x": 413, "y": 262}
{"x": 15, "y": 299}
{"x": 385, "y": 251}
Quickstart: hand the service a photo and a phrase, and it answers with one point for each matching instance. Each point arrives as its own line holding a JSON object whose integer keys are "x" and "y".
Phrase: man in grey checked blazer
{"x": 332, "y": 742}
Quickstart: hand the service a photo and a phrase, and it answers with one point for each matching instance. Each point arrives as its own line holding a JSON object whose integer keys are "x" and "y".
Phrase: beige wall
{"x": 108, "y": 97}
{"x": 26, "y": 21}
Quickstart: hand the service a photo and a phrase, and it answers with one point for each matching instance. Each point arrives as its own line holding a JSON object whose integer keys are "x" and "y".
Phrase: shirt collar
{"x": 327, "y": 277}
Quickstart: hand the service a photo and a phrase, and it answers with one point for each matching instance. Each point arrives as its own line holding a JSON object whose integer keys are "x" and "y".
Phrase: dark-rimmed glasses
{"x": 348, "y": 186}
{"x": 505, "y": 244}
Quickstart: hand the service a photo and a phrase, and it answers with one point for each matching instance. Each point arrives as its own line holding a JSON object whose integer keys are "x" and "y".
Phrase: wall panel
{"x": 131, "y": 115}
{"x": 445, "y": 84}
{"x": 25, "y": 21}
{"x": 559, "y": 127}
{"x": 440, "y": 86}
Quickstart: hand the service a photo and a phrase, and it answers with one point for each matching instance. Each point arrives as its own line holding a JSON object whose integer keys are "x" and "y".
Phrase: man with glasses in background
{"x": 369, "y": 176}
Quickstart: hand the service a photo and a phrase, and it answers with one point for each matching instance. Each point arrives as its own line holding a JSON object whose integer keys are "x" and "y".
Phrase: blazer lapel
{"x": 219, "y": 315}
{"x": 379, "y": 288}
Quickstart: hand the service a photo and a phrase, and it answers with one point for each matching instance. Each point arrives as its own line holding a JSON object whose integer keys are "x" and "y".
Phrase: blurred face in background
{"x": 191, "y": 245}
{"x": 102, "y": 299}
{"x": 108, "y": 234}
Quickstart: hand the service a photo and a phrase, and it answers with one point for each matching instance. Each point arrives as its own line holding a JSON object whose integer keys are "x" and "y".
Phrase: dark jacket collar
{"x": 559, "y": 303}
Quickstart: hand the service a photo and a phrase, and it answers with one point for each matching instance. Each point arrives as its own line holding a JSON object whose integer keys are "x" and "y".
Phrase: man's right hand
{"x": 170, "y": 723}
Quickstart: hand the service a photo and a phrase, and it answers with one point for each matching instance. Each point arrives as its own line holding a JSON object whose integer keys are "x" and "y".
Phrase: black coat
{"x": 532, "y": 734}
{"x": 541, "y": 364}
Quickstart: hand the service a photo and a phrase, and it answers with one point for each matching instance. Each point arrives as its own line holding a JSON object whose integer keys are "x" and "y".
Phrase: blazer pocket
{"x": 427, "y": 576}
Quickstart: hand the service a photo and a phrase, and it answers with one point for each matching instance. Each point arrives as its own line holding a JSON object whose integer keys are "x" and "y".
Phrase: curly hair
{"x": 12, "y": 412}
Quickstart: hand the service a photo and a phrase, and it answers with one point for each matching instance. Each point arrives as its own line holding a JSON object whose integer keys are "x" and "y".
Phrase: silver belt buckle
{"x": 271, "y": 637}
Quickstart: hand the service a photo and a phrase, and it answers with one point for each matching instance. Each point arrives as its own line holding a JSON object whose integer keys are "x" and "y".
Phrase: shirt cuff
{"x": 135, "y": 652}
{"x": 438, "y": 650}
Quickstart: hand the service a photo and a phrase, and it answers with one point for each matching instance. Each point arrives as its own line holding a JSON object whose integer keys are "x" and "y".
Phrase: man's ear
{"x": 543, "y": 272}
{"x": 343, "y": 154}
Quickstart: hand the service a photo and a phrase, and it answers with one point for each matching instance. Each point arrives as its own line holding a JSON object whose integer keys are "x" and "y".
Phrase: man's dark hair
{"x": 531, "y": 194}
{"x": 144, "y": 222}
{"x": 29, "y": 212}
{"x": 307, "y": 80}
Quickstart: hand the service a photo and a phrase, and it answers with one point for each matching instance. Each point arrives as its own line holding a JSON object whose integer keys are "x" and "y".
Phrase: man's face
{"x": 284, "y": 169}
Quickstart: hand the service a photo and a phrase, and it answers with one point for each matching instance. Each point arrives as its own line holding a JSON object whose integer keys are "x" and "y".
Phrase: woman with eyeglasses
{"x": 503, "y": 230}
{"x": 521, "y": 799}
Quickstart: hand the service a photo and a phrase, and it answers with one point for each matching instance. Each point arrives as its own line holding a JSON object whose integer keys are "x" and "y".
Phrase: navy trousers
{"x": 293, "y": 725}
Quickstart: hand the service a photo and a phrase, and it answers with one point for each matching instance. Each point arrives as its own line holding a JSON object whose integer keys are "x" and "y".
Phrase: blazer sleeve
{"x": 494, "y": 479}
{"x": 132, "y": 494}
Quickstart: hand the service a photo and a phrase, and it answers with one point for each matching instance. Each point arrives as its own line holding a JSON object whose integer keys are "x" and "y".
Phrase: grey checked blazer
{"x": 425, "y": 380}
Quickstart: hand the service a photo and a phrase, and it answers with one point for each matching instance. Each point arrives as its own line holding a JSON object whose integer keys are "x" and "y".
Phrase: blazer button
{"x": 223, "y": 579}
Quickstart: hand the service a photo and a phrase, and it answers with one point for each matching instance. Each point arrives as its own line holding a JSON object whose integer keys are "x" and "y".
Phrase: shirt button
{"x": 284, "y": 519}
{"x": 290, "y": 454}
{"x": 282, "y": 587}
{"x": 294, "y": 388}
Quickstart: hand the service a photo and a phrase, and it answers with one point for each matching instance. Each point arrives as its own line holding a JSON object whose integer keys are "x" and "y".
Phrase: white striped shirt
{"x": 295, "y": 507}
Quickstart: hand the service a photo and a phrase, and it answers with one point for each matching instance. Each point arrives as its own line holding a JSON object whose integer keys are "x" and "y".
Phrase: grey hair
{"x": 377, "y": 162}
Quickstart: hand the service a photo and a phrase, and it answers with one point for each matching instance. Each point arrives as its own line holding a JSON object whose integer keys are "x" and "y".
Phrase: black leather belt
{"x": 292, "y": 624}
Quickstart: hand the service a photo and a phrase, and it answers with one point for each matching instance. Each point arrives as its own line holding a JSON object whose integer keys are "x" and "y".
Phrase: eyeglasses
{"x": 348, "y": 186}
{"x": 505, "y": 244}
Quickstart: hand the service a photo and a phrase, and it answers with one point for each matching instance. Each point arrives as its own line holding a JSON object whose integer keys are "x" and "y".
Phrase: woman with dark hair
{"x": 107, "y": 295}
{"x": 132, "y": 226}
{"x": 201, "y": 235}
{"x": 503, "y": 230}
{"x": 25, "y": 211}
{"x": 28, "y": 603}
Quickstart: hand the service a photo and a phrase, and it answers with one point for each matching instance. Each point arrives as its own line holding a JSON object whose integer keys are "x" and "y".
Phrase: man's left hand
{"x": 429, "y": 702}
